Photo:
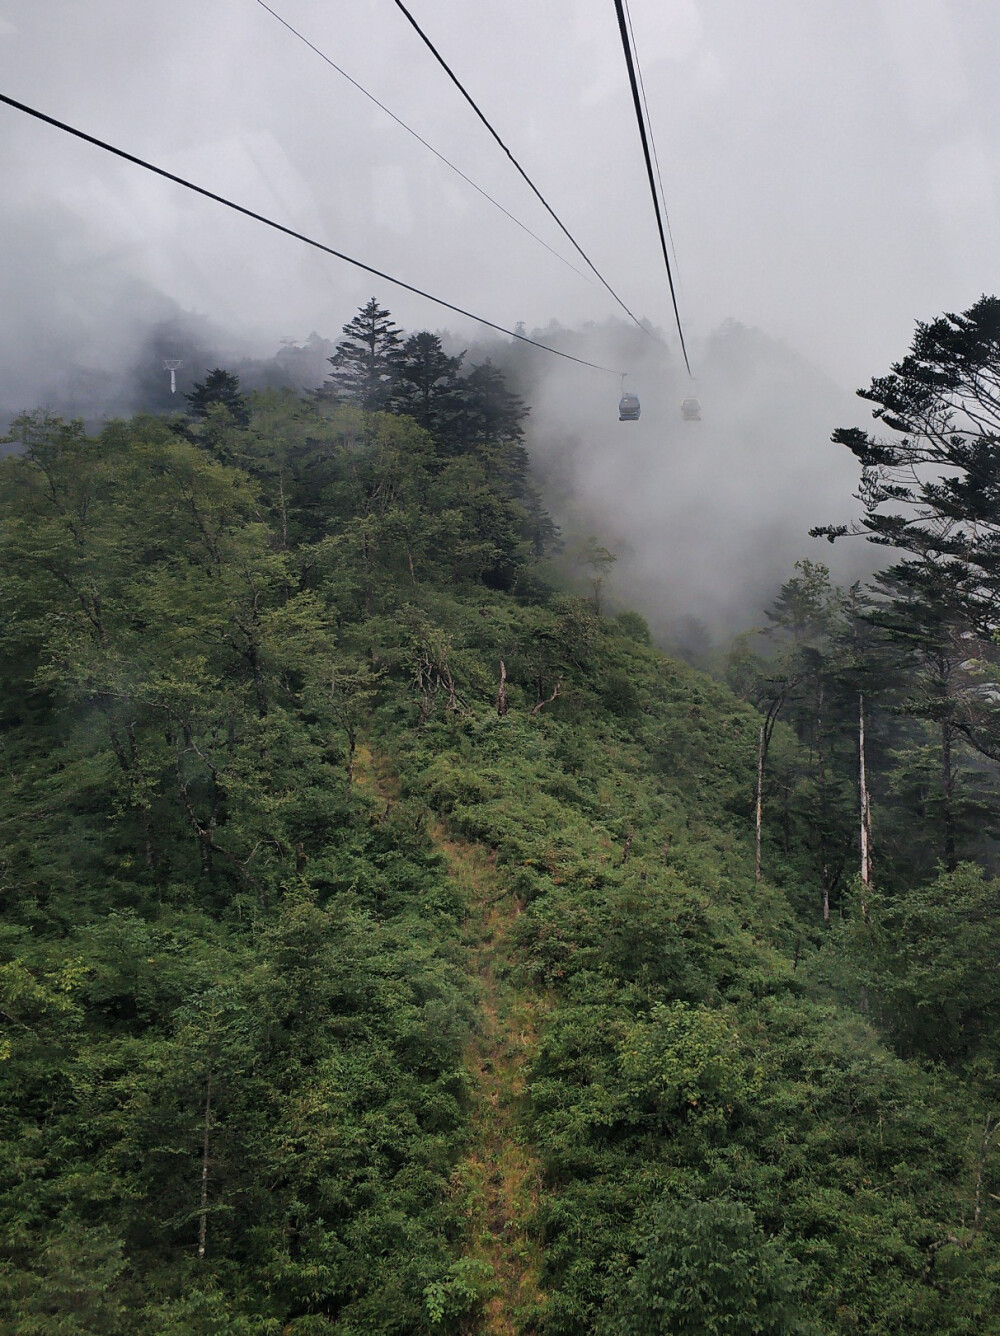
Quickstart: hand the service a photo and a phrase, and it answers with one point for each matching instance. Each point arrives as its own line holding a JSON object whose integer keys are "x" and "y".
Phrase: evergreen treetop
{"x": 427, "y": 385}
{"x": 366, "y": 363}
{"x": 223, "y": 388}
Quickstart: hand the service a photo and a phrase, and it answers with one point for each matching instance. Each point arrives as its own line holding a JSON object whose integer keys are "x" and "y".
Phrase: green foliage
{"x": 467, "y": 1283}
{"x": 209, "y": 931}
{"x": 427, "y": 386}
{"x": 707, "y": 1268}
{"x": 928, "y": 961}
{"x": 929, "y": 494}
{"x": 219, "y": 389}
{"x": 76, "y": 1287}
{"x": 250, "y": 683}
{"x": 366, "y": 361}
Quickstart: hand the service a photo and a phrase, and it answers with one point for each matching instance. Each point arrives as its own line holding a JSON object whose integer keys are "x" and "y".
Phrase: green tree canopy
{"x": 426, "y": 385}
{"x": 709, "y": 1270}
{"x": 366, "y": 363}
{"x": 931, "y": 491}
{"x": 222, "y": 388}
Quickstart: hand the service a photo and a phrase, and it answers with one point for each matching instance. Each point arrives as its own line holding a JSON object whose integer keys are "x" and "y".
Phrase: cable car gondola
{"x": 628, "y": 408}
{"x": 628, "y": 405}
{"x": 691, "y": 410}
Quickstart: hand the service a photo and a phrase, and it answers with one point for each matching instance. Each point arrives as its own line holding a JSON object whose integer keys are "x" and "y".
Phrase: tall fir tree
{"x": 427, "y": 385}
{"x": 492, "y": 413}
{"x": 931, "y": 495}
{"x": 940, "y": 470}
{"x": 222, "y": 388}
{"x": 366, "y": 363}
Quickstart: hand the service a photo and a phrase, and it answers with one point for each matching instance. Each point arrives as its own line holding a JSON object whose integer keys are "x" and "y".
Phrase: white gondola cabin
{"x": 691, "y": 410}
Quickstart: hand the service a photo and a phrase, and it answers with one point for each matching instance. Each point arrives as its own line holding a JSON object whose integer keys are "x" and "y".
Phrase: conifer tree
{"x": 927, "y": 646}
{"x": 940, "y": 471}
{"x": 426, "y": 386}
{"x": 493, "y": 413}
{"x": 219, "y": 387}
{"x": 366, "y": 363}
{"x": 931, "y": 495}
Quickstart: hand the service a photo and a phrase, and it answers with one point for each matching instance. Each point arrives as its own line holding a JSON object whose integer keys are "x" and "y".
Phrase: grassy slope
{"x": 647, "y": 1061}
{"x": 683, "y": 1055}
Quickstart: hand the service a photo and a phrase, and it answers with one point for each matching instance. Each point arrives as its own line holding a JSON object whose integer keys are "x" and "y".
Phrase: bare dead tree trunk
{"x": 864, "y": 803}
{"x": 502, "y": 706}
{"x": 446, "y": 680}
{"x": 205, "y": 1141}
{"x": 284, "y": 510}
{"x": 539, "y": 703}
{"x": 761, "y": 744}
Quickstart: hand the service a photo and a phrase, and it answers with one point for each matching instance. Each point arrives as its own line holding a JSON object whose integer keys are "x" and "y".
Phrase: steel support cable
{"x": 534, "y": 189}
{"x": 649, "y": 171}
{"x": 290, "y": 232}
{"x": 420, "y": 139}
{"x": 652, "y": 138}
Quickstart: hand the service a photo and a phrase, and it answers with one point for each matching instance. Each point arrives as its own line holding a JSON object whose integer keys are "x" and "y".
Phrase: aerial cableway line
{"x": 652, "y": 137}
{"x": 418, "y": 137}
{"x": 631, "y": 64}
{"x": 538, "y": 194}
{"x": 290, "y": 232}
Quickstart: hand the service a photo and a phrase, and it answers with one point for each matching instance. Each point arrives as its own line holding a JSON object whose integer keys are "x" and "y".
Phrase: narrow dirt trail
{"x": 497, "y": 1180}
{"x": 500, "y": 1175}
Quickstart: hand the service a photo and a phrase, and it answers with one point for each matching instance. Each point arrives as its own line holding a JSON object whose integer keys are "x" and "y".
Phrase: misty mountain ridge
{"x": 706, "y": 519}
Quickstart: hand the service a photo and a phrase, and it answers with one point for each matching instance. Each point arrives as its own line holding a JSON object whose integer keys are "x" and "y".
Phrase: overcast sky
{"x": 830, "y": 167}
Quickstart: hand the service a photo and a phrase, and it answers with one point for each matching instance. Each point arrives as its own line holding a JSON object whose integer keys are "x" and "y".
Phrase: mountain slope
{"x": 382, "y": 951}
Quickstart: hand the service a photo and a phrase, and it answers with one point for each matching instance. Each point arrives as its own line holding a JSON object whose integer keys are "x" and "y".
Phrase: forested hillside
{"x": 386, "y": 945}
